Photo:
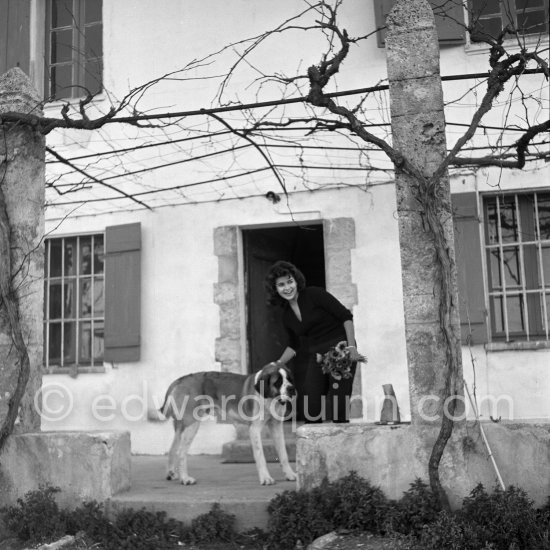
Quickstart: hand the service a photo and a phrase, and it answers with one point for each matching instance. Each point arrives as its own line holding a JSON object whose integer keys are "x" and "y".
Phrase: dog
{"x": 258, "y": 400}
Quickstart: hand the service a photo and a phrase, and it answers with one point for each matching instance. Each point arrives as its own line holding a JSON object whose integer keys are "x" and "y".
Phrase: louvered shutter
{"x": 468, "y": 250}
{"x": 449, "y": 20}
{"x": 122, "y": 292}
{"x": 14, "y": 35}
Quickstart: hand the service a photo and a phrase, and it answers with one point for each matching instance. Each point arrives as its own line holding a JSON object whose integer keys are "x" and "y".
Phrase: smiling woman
{"x": 315, "y": 321}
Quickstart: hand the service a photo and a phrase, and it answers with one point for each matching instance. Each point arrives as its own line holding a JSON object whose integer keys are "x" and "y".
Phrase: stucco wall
{"x": 180, "y": 321}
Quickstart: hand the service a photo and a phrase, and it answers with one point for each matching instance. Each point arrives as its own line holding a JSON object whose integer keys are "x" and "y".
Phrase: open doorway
{"x": 303, "y": 246}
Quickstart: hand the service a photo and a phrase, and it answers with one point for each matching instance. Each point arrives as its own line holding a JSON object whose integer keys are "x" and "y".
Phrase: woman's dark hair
{"x": 282, "y": 269}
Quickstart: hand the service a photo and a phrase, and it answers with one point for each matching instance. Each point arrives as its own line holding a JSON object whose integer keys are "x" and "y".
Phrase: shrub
{"x": 215, "y": 525}
{"x": 504, "y": 518}
{"x": 348, "y": 503}
{"x": 448, "y": 532}
{"x": 36, "y": 517}
{"x": 91, "y": 519}
{"x": 418, "y": 507}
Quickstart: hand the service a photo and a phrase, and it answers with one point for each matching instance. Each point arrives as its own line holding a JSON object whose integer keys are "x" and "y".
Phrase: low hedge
{"x": 500, "y": 520}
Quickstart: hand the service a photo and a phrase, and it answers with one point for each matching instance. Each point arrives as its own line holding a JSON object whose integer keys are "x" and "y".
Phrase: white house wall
{"x": 180, "y": 322}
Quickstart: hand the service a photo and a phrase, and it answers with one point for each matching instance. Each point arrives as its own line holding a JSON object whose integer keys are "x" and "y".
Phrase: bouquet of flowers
{"x": 337, "y": 362}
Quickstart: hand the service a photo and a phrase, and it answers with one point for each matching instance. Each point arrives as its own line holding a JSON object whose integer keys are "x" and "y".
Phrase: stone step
{"x": 239, "y": 451}
{"x": 234, "y": 486}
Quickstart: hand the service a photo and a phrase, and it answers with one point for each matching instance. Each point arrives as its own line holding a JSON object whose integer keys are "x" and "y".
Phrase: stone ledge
{"x": 391, "y": 457}
{"x": 84, "y": 465}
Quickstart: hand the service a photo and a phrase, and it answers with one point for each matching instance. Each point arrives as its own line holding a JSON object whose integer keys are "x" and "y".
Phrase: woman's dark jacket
{"x": 322, "y": 324}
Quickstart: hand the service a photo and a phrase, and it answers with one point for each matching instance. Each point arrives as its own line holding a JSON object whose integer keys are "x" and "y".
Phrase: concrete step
{"x": 234, "y": 486}
{"x": 239, "y": 451}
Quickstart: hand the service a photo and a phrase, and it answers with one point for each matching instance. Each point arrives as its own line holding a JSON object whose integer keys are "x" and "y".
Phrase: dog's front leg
{"x": 278, "y": 436}
{"x": 255, "y": 432}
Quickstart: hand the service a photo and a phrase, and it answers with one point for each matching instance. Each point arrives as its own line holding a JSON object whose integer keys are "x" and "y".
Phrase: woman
{"x": 316, "y": 320}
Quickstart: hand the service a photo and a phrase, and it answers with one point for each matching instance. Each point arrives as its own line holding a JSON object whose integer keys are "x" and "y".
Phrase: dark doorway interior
{"x": 303, "y": 246}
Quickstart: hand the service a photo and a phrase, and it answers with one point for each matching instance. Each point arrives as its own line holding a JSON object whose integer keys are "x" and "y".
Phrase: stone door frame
{"x": 230, "y": 347}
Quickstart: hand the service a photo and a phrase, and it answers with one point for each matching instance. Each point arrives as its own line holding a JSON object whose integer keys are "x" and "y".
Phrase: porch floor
{"x": 234, "y": 486}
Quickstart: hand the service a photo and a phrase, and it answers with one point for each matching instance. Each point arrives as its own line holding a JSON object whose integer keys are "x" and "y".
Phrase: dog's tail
{"x": 154, "y": 413}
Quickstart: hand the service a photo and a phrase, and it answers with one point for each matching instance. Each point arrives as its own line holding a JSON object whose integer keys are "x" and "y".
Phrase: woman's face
{"x": 286, "y": 287}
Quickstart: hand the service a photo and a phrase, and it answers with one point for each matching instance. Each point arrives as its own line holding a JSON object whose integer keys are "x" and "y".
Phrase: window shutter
{"x": 468, "y": 250}
{"x": 122, "y": 292}
{"x": 15, "y": 35}
{"x": 449, "y": 20}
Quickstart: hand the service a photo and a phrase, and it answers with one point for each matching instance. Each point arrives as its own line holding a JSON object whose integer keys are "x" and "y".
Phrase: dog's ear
{"x": 263, "y": 385}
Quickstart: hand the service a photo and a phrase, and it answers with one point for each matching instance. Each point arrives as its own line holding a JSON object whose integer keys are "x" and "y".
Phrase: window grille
{"x": 74, "y": 302}
{"x": 517, "y": 245}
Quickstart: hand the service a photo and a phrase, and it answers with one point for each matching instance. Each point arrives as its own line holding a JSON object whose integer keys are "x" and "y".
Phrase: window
{"x": 492, "y": 16}
{"x": 517, "y": 247}
{"x": 74, "y": 305}
{"x": 449, "y": 20}
{"x": 92, "y": 305}
{"x": 74, "y": 48}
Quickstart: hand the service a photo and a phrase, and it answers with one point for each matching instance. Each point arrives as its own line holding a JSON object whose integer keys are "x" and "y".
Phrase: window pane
{"x": 527, "y": 217}
{"x": 494, "y": 268}
{"x": 70, "y": 257}
{"x": 546, "y": 264}
{"x": 91, "y": 292}
{"x": 70, "y": 299}
{"x": 486, "y": 6}
{"x": 492, "y": 225}
{"x": 498, "y": 318}
{"x": 98, "y": 255}
{"x": 61, "y": 81}
{"x": 524, "y": 4}
{"x": 85, "y": 354}
{"x": 491, "y": 26}
{"x": 45, "y": 301}
{"x": 94, "y": 44}
{"x": 514, "y": 308}
{"x": 86, "y": 297}
{"x": 54, "y": 343}
{"x": 61, "y": 47}
{"x": 85, "y": 255}
{"x": 98, "y": 341}
{"x": 511, "y": 267}
{"x": 93, "y": 76}
{"x": 62, "y": 13}
{"x": 93, "y": 11}
{"x": 535, "y": 313}
{"x": 69, "y": 340}
{"x": 544, "y": 216}
{"x": 512, "y": 272}
{"x": 533, "y": 22}
{"x": 547, "y": 312}
{"x": 508, "y": 220}
{"x": 99, "y": 297}
{"x": 531, "y": 266}
{"x": 55, "y": 300}
{"x": 55, "y": 258}
{"x": 46, "y": 258}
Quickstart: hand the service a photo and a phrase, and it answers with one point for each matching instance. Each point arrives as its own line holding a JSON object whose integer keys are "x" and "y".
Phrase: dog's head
{"x": 274, "y": 381}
